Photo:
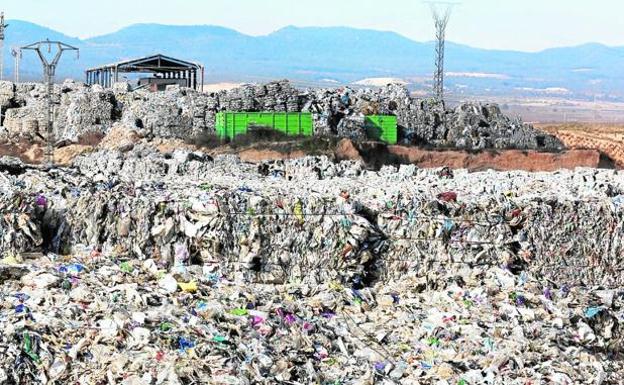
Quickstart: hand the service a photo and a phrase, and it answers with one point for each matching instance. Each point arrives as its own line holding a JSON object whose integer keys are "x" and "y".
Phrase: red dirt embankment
{"x": 502, "y": 160}
{"x": 376, "y": 155}
{"x": 255, "y": 155}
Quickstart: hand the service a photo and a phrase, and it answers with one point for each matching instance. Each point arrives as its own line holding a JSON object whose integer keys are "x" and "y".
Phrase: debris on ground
{"x": 186, "y": 114}
{"x": 137, "y": 266}
{"x": 97, "y": 318}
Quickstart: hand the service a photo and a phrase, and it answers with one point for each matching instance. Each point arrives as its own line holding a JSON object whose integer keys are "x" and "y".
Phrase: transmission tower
{"x": 16, "y": 57}
{"x": 3, "y": 26}
{"x": 441, "y": 15}
{"x": 49, "y": 69}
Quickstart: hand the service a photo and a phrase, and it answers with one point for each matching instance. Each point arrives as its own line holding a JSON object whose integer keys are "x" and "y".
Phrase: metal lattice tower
{"x": 16, "y": 57}
{"x": 3, "y": 27}
{"x": 441, "y": 19}
{"x": 49, "y": 70}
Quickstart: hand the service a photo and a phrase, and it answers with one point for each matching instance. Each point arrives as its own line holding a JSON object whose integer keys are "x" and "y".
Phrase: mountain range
{"x": 336, "y": 55}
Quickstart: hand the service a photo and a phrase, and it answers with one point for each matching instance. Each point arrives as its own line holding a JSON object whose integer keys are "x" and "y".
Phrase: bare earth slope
{"x": 608, "y": 139}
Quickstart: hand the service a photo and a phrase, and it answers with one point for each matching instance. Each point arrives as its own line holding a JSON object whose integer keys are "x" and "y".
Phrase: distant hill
{"x": 341, "y": 55}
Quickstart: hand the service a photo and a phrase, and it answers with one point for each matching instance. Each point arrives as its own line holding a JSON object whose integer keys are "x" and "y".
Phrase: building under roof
{"x": 164, "y": 71}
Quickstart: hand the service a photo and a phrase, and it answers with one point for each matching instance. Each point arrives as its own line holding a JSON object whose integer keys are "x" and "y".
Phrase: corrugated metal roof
{"x": 153, "y": 62}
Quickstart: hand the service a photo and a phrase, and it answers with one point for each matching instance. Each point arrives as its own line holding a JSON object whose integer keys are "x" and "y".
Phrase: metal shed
{"x": 165, "y": 70}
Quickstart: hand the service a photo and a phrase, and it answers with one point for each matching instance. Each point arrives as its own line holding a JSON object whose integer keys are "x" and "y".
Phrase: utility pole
{"x": 3, "y": 26}
{"x": 16, "y": 57}
{"x": 441, "y": 19}
{"x": 49, "y": 70}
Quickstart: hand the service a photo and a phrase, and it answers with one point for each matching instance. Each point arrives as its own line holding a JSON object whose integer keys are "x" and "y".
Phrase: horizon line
{"x": 86, "y": 38}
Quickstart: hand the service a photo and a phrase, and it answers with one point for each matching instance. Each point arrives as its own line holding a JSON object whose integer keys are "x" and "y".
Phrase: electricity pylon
{"x": 49, "y": 69}
{"x": 441, "y": 15}
{"x": 16, "y": 57}
{"x": 3, "y": 27}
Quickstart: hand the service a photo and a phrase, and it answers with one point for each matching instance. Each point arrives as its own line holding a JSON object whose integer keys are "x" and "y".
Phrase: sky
{"x": 524, "y": 25}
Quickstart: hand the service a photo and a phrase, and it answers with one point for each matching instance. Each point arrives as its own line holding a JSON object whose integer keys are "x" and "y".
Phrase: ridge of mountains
{"x": 336, "y": 55}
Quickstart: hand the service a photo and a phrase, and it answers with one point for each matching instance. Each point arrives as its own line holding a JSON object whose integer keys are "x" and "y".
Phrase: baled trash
{"x": 187, "y": 114}
{"x": 154, "y": 269}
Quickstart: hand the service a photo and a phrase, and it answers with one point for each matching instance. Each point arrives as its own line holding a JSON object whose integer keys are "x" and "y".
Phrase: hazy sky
{"x": 527, "y": 25}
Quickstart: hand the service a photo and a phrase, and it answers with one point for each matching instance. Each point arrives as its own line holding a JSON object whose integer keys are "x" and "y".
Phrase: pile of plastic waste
{"x": 96, "y": 318}
{"x": 187, "y": 114}
{"x": 142, "y": 268}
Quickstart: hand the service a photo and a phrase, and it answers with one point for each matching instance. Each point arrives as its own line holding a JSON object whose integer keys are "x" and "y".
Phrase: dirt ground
{"x": 586, "y": 143}
{"x": 606, "y": 138}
